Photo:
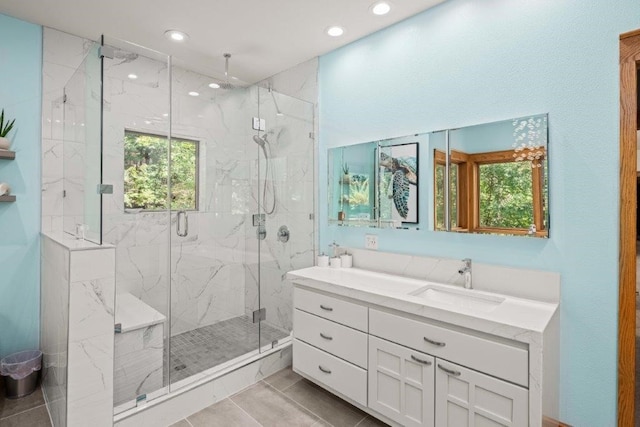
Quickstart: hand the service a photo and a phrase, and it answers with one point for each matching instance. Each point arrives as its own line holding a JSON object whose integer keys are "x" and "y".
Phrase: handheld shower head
{"x": 260, "y": 141}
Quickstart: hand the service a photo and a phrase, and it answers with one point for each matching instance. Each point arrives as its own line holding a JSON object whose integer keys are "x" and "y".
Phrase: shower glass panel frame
{"x": 285, "y": 194}
{"x": 82, "y": 147}
{"x": 197, "y": 290}
{"x": 137, "y": 98}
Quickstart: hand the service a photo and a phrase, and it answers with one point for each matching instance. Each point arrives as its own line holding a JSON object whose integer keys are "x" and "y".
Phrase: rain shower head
{"x": 260, "y": 141}
{"x": 226, "y": 85}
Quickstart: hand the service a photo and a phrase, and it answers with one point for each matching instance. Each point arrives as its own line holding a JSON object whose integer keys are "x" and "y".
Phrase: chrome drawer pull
{"x": 438, "y": 343}
{"x": 326, "y": 337}
{"x": 326, "y": 371}
{"x": 449, "y": 371}
{"x": 326, "y": 308}
{"x": 424, "y": 362}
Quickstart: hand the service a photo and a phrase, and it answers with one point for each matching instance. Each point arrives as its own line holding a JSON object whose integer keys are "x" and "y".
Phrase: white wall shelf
{"x": 7, "y": 154}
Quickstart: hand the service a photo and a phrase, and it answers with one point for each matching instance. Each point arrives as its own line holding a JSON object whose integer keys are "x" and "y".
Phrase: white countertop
{"x": 515, "y": 318}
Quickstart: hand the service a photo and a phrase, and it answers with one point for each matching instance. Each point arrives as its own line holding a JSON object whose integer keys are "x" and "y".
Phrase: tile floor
{"x": 283, "y": 399}
{"x": 200, "y": 349}
{"x": 29, "y": 411}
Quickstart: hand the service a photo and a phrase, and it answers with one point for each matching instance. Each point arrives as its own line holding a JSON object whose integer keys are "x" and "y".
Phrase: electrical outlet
{"x": 371, "y": 241}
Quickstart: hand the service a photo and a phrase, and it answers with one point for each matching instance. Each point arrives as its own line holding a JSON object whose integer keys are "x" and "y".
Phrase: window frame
{"x": 468, "y": 190}
{"x": 197, "y": 169}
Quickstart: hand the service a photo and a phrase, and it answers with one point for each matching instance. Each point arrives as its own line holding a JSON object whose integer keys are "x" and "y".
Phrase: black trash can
{"x": 20, "y": 372}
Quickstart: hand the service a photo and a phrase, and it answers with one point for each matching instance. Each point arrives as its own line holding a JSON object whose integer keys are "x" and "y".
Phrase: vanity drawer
{"x": 341, "y": 376}
{"x": 341, "y": 341}
{"x": 338, "y": 310}
{"x": 482, "y": 354}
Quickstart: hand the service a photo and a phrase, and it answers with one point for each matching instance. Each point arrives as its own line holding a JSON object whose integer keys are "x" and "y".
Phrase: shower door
{"x": 214, "y": 273}
{"x": 136, "y": 218}
{"x": 285, "y": 192}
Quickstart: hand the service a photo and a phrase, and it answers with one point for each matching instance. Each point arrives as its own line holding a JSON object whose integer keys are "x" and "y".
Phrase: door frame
{"x": 629, "y": 63}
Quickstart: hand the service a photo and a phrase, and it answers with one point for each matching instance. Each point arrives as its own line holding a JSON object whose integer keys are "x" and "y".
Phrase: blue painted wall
{"x": 20, "y": 96}
{"x": 466, "y": 62}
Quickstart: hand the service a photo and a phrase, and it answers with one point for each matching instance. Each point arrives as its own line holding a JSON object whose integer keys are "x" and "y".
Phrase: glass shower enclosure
{"x": 207, "y": 213}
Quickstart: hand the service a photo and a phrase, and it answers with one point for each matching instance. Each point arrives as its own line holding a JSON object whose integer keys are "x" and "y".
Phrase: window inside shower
{"x": 197, "y": 291}
{"x": 146, "y": 172}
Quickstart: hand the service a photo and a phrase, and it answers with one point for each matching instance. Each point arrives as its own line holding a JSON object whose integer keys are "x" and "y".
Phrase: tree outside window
{"x": 146, "y": 172}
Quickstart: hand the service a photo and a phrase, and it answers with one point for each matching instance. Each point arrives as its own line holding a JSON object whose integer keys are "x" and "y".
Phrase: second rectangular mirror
{"x": 497, "y": 180}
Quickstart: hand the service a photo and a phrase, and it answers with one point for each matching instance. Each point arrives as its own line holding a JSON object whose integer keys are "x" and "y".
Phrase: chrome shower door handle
{"x": 179, "y": 226}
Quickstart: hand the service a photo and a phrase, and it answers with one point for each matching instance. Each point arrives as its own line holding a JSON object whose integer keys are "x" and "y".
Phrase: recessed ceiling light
{"x": 165, "y": 114}
{"x": 214, "y": 85}
{"x": 335, "y": 31}
{"x": 194, "y": 93}
{"x": 175, "y": 35}
{"x": 132, "y": 76}
{"x": 380, "y": 8}
{"x": 148, "y": 122}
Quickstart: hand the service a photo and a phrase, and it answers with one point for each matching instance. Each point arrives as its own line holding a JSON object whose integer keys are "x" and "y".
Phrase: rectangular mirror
{"x": 498, "y": 178}
{"x": 380, "y": 184}
{"x": 352, "y": 172}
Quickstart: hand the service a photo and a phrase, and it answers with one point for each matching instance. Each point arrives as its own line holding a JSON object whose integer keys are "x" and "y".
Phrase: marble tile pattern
{"x": 212, "y": 274}
{"x": 77, "y": 318}
{"x": 54, "y": 315}
{"x": 91, "y": 343}
{"x": 531, "y": 284}
{"x": 138, "y": 364}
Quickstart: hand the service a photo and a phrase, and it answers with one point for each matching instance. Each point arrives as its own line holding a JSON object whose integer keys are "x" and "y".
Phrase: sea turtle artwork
{"x": 404, "y": 173}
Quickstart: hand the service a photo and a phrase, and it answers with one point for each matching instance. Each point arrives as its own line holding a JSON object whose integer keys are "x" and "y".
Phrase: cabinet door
{"x": 401, "y": 383}
{"x": 467, "y": 398}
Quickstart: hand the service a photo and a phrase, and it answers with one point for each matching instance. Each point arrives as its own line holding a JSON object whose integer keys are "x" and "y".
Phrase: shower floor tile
{"x": 200, "y": 349}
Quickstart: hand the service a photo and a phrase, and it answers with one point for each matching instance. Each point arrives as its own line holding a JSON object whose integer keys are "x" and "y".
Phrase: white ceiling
{"x": 263, "y": 36}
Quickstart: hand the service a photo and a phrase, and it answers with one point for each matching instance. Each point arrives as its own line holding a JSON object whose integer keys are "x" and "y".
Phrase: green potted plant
{"x": 5, "y": 128}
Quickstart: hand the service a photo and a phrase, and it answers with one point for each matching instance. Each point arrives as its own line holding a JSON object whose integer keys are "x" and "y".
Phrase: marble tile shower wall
{"x": 206, "y": 267}
{"x": 292, "y": 162}
{"x": 214, "y": 269}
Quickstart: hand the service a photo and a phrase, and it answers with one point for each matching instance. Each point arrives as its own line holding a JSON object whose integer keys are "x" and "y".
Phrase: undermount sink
{"x": 463, "y": 298}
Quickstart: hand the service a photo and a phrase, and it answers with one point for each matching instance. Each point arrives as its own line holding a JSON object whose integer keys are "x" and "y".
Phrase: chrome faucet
{"x": 466, "y": 272}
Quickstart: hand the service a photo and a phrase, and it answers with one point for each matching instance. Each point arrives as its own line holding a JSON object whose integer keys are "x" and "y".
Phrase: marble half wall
{"x": 79, "y": 354}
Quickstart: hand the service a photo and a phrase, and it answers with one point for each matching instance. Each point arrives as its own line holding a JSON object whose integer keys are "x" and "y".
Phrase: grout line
{"x": 362, "y": 420}
{"x": 248, "y": 414}
{"x": 282, "y": 392}
{"x": 299, "y": 404}
{"x": 188, "y": 422}
{"x": 26, "y": 410}
{"x": 289, "y": 386}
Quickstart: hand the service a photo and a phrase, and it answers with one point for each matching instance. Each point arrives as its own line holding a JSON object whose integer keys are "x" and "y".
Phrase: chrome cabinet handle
{"x": 326, "y": 371}
{"x": 326, "y": 308}
{"x": 424, "y": 362}
{"x": 438, "y": 343}
{"x": 186, "y": 224}
{"x": 449, "y": 371}
{"x": 326, "y": 337}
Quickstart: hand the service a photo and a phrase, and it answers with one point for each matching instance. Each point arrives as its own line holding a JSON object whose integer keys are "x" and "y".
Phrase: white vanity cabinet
{"x": 401, "y": 383}
{"x": 465, "y": 397}
{"x": 411, "y": 368}
{"x": 330, "y": 342}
